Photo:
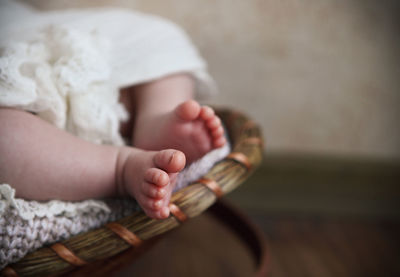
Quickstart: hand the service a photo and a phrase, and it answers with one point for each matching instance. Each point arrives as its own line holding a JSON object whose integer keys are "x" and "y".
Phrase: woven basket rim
{"x": 246, "y": 154}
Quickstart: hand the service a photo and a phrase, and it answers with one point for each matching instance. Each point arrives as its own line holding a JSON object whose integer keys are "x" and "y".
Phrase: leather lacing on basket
{"x": 66, "y": 254}
{"x": 129, "y": 237}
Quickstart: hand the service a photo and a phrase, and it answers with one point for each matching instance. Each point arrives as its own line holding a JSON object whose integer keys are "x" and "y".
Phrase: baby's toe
{"x": 170, "y": 160}
{"x": 157, "y": 177}
{"x": 155, "y": 208}
{"x": 188, "y": 110}
{"x": 219, "y": 142}
{"x": 159, "y": 214}
{"x": 213, "y": 123}
{"x": 164, "y": 212}
{"x": 153, "y": 204}
{"x": 218, "y": 132}
{"x": 206, "y": 113}
{"x": 153, "y": 191}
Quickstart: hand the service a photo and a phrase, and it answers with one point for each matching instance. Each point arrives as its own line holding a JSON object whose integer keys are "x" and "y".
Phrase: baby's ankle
{"x": 123, "y": 155}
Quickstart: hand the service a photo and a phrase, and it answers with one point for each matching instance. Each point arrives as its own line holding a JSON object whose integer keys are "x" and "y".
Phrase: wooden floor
{"x": 326, "y": 216}
{"x": 324, "y": 247}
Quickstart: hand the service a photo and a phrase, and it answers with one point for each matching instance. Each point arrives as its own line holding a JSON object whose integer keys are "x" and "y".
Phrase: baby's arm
{"x": 42, "y": 162}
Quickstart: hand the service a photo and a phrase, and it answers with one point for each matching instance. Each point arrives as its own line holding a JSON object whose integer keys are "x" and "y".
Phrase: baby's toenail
{"x": 172, "y": 157}
{"x": 156, "y": 178}
{"x": 161, "y": 192}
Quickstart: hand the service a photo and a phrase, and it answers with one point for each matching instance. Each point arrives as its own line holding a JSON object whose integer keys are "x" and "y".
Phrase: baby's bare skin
{"x": 42, "y": 162}
{"x": 190, "y": 128}
{"x": 149, "y": 177}
{"x": 166, "y": 117}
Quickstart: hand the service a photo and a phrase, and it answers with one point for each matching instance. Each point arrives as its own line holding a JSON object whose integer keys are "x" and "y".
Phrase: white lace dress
{"x": 67, "y": 67}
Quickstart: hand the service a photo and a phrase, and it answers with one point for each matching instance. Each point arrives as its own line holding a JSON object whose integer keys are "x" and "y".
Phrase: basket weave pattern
{"x": 131, "y": 231}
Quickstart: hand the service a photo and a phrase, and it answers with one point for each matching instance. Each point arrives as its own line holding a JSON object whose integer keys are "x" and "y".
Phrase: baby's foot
{"x": 193, "y": 129}
{"x": 150, "y": 177}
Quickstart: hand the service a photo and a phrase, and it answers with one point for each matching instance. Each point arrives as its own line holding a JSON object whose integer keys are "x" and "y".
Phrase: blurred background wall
{"x": 319, "y": 76}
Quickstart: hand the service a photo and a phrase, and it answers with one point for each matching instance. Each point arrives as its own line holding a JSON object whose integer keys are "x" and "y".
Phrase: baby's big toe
{"x": 188, "y": 110}
{"x": 170, "y": 160}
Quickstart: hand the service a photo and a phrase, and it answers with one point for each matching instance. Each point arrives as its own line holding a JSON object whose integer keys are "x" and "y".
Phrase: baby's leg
{"x": 42, "y": 162}
{"x": 166, "y": 117}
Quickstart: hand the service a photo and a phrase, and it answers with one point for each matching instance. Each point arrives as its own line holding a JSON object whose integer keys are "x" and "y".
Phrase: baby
{"x": 168, "y": 129}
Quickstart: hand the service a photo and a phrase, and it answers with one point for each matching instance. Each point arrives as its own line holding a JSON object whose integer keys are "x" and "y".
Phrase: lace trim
{"x": 63, "y": 75}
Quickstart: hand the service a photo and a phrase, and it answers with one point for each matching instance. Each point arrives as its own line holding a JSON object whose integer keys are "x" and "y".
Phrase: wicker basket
{"x": 136, "y": 229}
